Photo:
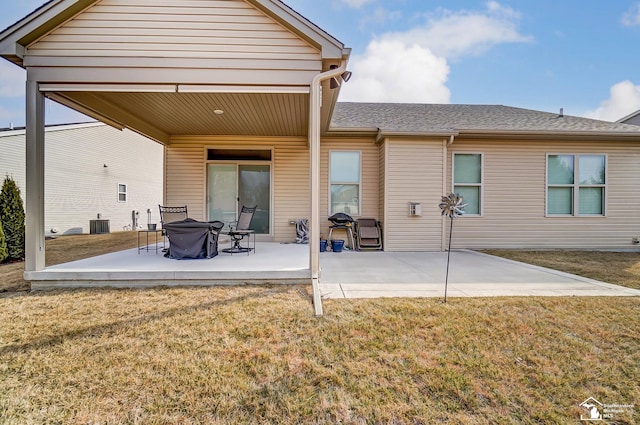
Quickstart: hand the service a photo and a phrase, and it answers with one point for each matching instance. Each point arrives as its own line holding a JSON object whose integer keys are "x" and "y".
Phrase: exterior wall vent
{"x": 415, "y": 209}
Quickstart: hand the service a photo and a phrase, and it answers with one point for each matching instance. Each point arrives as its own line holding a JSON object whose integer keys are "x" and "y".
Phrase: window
{"x": 344, "y": 177}
{"x": 467, "y": 180}
{"x": 576, "y": 184}
{"x": 122, "y": 192}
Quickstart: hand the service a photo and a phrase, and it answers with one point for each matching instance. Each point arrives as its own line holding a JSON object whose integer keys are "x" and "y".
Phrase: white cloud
{"x": 391, "y": 71}
{"x": 355, "y": 4}
{"x": 455, "y": 34}
{"x": 632, "y": 16}
{"x": 624, "y": 99}
{"x": 380, "y": 16}
{"x": 412, "y": 66}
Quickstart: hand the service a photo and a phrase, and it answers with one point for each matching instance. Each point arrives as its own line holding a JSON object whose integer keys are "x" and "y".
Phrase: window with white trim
{"x": 467, "y": 181}
{"x": 576, "y": 184}
{"x": 344, "y": 182}
{"x": 122, "y": 192}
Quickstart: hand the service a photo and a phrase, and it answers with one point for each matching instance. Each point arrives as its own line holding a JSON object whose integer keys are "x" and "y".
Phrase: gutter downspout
{"x": 445, "y": 158}
{"x": 315, "y": 100}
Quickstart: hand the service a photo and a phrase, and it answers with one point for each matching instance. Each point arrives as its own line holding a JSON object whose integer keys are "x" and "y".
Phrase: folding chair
{"x": 368, "y": 234}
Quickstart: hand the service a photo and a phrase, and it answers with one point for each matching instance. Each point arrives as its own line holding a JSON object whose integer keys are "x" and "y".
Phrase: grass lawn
{"x": 256, "y": 354}
{"x": 64, "y": 249}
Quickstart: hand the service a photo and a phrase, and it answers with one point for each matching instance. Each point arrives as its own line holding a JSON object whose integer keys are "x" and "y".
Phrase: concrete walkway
{"x": 471, "y": 274}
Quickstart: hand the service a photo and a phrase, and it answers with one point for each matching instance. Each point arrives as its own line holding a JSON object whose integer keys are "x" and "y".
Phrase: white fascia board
{"x": 122, "y": 88}
{"x": 195, "y": 88}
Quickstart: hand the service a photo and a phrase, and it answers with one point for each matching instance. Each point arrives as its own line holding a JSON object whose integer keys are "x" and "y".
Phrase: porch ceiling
{"x": 162, "y": 115}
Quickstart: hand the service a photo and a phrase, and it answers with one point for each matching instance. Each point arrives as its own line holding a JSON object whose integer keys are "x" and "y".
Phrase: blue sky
{"x": 580, "y": 55}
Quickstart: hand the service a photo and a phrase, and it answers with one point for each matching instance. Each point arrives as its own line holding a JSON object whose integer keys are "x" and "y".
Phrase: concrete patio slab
{"x": 348, "y": 274}
{"x": 471, "y": 274}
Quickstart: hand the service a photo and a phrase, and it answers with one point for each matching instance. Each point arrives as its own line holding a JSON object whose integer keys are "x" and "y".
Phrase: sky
{"x": 579, "y": 55}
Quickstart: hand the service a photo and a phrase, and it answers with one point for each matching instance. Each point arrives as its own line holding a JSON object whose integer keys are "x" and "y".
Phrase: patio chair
{"x": 190, "y": 238}
{"x": 368, "y": 234}
{"x": 171, "y": 214}
{"x": 240, "y": 229}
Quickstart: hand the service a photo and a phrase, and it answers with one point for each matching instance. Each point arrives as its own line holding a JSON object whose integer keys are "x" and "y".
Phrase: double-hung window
{"x": 122, "y": 192}
{"x": 467, "y": 181}
{"x": 576, "y": 184}
{"x": 344, "y": 182}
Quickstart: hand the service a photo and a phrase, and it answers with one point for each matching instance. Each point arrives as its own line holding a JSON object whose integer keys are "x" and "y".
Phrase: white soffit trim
{"x": 192, "y": 88}
{"x": 124, "y": 88}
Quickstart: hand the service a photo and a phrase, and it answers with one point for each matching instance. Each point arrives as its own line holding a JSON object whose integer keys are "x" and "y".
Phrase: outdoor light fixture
{"x": 334, "y": 83}
{"x": 218, "y": 111}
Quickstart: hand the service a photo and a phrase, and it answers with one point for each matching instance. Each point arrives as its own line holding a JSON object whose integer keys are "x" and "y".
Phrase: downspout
{"x": 315, "y": 100}
{"x": 445, "y": 159}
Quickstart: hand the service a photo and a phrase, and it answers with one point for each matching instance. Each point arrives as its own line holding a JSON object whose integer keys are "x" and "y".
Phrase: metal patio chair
{"x": 171, "y": 215}
{"x": 240, "y": 230}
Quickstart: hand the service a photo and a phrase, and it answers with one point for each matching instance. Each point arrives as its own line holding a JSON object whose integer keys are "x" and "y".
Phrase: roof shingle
{"x": 451, "y": 118}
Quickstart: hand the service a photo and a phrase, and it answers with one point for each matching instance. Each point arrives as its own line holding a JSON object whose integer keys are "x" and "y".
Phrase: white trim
{"x": 575, "y": 186}
{"x": 194, "y": 88}
{"x": 480, "y": 185}
{"x": 359, "y": 214}
{"x": 123, "y": 88}
{"x": 123, "y": 192}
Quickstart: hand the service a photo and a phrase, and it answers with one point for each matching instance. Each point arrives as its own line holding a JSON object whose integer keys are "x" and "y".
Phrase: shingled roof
{"x": 460, "y": 119}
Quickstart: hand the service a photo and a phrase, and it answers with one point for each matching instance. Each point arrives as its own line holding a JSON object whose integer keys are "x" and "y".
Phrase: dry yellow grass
{"x": 258, "y": 355}
{"x": 620, "y": 268}
{"x": 64, "y": 249}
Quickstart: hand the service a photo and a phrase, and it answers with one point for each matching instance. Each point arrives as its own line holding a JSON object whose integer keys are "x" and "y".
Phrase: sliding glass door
{"x": 230, "y": 186}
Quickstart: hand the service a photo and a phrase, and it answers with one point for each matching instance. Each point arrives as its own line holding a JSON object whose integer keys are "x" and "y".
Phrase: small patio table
{"x": 146, "y": 232}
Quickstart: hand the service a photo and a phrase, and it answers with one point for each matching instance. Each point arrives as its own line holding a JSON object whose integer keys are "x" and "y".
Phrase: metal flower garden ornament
{"x": 452, "y": 207}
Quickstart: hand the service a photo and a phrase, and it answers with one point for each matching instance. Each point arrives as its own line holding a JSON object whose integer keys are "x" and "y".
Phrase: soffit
{"x": 245, "y": 114}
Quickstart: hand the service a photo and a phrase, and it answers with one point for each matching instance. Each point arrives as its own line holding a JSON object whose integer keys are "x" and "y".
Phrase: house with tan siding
{"x": 242, "y": 95}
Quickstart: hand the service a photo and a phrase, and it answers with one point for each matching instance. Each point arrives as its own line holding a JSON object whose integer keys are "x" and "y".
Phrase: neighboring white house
{"x": 90, "y": 169}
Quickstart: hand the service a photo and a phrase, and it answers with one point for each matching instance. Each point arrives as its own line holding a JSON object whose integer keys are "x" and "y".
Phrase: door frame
{"x": 270, "y": 163}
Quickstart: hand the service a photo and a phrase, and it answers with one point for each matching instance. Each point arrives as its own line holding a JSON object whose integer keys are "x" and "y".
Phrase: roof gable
{"x": 57, "y": 13}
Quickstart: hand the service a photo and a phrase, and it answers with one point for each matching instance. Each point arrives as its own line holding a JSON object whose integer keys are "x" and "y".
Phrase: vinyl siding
{"x": 413, "y": 173}
{"x": 191, "y": 35}
{"x": 186, "y": 179}
{"x": 78, "y": 186}
{"x": 370, "y": 183}
{"x": 237, "y": 43}
{"x": 513, "y": 209}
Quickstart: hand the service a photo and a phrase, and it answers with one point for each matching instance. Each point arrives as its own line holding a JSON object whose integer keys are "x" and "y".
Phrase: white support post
{"x": 315, "y": 98}
{"x": 34, "y": 232}
{"x": 314, "y": 164}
